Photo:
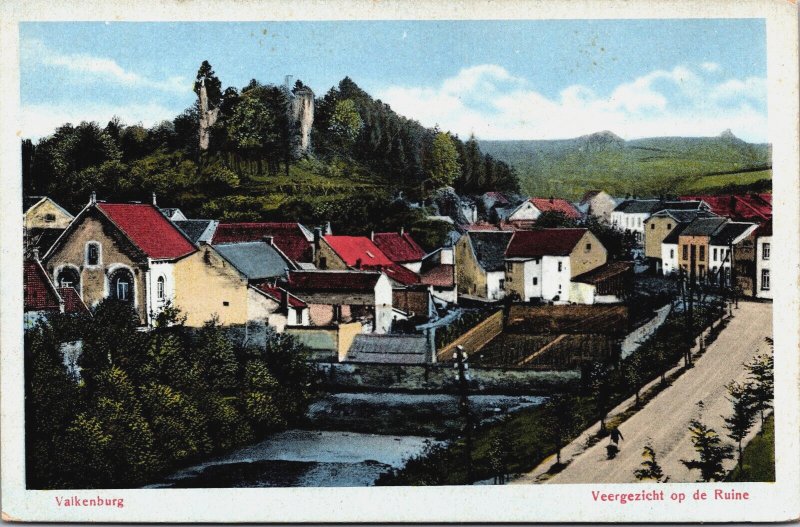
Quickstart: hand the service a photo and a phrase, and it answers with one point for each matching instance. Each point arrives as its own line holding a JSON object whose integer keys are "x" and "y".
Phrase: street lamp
{"x": 462, "y": 375}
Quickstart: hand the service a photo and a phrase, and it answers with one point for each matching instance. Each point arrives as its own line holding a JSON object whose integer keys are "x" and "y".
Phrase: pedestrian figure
{"x": 616, "y": 435}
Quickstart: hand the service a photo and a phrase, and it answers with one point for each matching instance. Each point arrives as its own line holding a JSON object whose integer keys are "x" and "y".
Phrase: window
{"x": 588, "y": 247}
{"x": 672, "y": 253}
{"x": 323, "y": 262}
{"x": 765, "y": 251}
{"x": 92, "y": 254}
{"x": 685, "y": 252}
{"x": 49, "y": 218}
{"x": 121, "y": 285}
{"x": 715, "y": 254}
{"x": 765, "y": 279}
{"x": 160, "y": 288}
{"x": 502, "y": 284}
{"x": 652, "y": 226}
{"x": 702, "y": 252}
{"x": 509, "y": 267}
{"x": 701, "y": 270}
{"x": 669, "y": 226}
{"x": 535, "y": 280}
{"x": 560, "y": 266}
{"x": 226, "y": 303}
{"x": 68, "y": 277}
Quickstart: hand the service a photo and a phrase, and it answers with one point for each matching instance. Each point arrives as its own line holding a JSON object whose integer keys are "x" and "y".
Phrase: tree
{"x": 710, "y": 450}
{"x": 633, "y": 371}
{"x": 552, "y": 218}
{"x": 601, "y": 385}
{"x": 500, "y": 450}
{"x": 741, "y": 420}
{"x": 442, "y": 166}
{"x": 761, "y": 377}
{"x": 213, "y": 85}
{"x": 346, "y": 123}
{"x": 561, "y": 420}
{"x": 650, "y": 470}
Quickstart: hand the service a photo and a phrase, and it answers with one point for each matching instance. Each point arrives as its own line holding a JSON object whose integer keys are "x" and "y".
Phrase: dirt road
{"x": 663, "y": 421}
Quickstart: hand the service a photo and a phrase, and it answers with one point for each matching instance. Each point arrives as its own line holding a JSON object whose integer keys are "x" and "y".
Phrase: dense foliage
{"x": 145, "y": 402}
{"x": 363, "y": 156}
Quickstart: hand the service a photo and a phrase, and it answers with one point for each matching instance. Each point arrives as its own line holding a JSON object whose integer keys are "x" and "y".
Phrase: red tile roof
{"x": 757, "y": 207}
{"x": 543, "y": 242}
{"x": 764, "y": 229}
{"x": 40, "y": 294}
{"x": 439, "y": 276}
{"x": 332, "y": 281}
{"x": 278, "y": 293}
{"x": 290, "y": 238}
{"x": 490, "y": 227}
{"x": 556, "y": 205}
{"x": 399, "y": 274}
{"x": 72, "y": 300}
{"x": 148, "y": 229}
{"x": 400, "y": 248}
{"x": 358, "y": 251}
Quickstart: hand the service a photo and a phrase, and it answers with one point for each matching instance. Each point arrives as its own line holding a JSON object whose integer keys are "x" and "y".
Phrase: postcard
{"x": 457, "y": 261}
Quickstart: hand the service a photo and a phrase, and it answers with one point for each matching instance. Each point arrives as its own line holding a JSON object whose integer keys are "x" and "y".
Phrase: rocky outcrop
{"x": 303, "y": 116}
{"x": 208, "y": 116}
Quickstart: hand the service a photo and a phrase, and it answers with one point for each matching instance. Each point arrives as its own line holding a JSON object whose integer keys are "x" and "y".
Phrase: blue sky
{"x": 496, "y": 79}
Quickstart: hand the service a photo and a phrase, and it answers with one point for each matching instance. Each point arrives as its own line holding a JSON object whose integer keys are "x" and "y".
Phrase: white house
{"x": 764, "y": 287}
{"x": 719, "y": 248}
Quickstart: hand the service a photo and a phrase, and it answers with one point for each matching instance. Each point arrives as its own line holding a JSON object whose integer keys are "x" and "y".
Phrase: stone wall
{"x": 636, "y": 337}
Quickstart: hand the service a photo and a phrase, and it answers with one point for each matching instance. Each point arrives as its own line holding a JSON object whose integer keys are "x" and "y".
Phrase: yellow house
{"x": 480, "y": 270}
{"x": 42, "y": 212}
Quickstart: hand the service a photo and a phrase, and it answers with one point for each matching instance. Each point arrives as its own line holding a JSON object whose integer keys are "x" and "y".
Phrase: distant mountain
{"x": 644, "y": 167}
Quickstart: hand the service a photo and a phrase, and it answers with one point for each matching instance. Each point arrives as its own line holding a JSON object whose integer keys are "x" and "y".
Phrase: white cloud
{"x": 88, "y": 68}
{"x": 492, "y": 103}
{"x": 39, "y": 120}
{"x": 711, "y": 67}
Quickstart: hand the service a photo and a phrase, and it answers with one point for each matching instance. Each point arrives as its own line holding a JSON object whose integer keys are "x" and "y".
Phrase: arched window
{"x": 68, "y": 277}
{"x": 121, "y": 285}
{"x": 160, "y": 288}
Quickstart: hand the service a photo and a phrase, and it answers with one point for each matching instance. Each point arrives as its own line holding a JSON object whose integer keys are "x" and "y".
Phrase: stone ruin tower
{"x": 208, "y": 116}
{"x": 302, "y": 116}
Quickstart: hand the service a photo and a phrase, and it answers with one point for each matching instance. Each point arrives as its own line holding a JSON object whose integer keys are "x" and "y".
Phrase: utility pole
{"x": 733, "y": 273}
{"x": 690, "y": 310}
{"x": 463, "y": 404}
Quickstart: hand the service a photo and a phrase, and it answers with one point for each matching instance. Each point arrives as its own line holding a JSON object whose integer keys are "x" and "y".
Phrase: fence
{"x": 474, "y": 339}
{"x": 640, "y": 334}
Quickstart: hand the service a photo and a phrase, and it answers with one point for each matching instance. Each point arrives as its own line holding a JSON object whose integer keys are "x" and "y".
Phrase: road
{"x": 663, "y": 421}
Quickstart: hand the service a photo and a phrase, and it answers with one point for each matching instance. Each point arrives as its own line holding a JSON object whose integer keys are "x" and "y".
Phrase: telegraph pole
{"x": 690, "y": 310}
{"x": 463, "y": 404}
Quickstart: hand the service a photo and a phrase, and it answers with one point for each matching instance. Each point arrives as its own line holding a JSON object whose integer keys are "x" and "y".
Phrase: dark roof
{"x": 332, "y": 281}
{"x": 40, "y": 294}
{"x": 544, "y": 242}
{"x": 42, "y": 239}
{"x": 674, "y": 235}
{"x": 490, "y": 248}
{"x": 589, "y": 195}
{"x": 704, "y": 226}
{"x": 764, "y": 230}
{"x": 169, "y": 211}
{"x": 684, "y": 216}
{"x": 730, "y": 231}
{"x": 72, "y": 301}
{"x": 256, "y": 260}
{"x": 291, "y": 238}
{"x": 683, "y": 205}
{"x": 278, "y": 294}
{"x": 388, "y": 348}
{"x": 639, "y": 206}
{"x": 194, "y": 229}
{"x": 148, "y": 229}
{"x": 604, "y": 272}
{"x": 400, "y": 248}
{"x": 442, "y": 275}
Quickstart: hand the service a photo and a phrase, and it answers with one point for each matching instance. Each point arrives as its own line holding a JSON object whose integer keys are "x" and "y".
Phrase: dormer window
{"x": 93, "y": 253}
{"x": 370, "y": 254}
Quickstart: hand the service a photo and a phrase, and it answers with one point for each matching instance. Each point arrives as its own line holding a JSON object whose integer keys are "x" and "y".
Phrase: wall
{"x": 669, "y": 265}
{"x": 555, "y": 282}
{"x": 351, "y": 376}
{"x": 582, "y": 260}
{"x": 332, "y": 260}
{"x": 698, "y": 242}
{"x": 493, "y": 289}
{"x": 470, "y": 277}
{"x": 744, "y": 263}
{"x": 35, "y": 216}
{"x": 411, "y": 301}
{"x": 635, "y": 338}
{"x": 204, "y": 282}
{"x": 601, "y": 206}
{"x": 526, "y": 212}
{"x": 156, "y": 270}
{"x": 328, "y": 342}
{"x": 413, "y": 266}
{"x": 761, "y": 264}
{"x": 94, "y": 279}
{"x": 581, "y": 293}
{"x": 474, "y": 339}
{"x": 656, "y": 228}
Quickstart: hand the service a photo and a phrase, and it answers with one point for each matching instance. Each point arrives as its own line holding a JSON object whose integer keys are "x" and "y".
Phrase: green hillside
{"x": 653, "y": 166}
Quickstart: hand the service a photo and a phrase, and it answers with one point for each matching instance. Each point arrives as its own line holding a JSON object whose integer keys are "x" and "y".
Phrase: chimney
{"x": 551, "y": 199}
{"x": 372, "y": 236}
{"x": 328, "y": 228}
{"x": 284, "y": 300}
{"x": 402, "y": 230}
{"x": 317, "y": 238}
{"x": 358, "y": 263}
{"x": 93, "y": 198}
{"x": 36, "y": 253}
{"x": 155, "y": 203}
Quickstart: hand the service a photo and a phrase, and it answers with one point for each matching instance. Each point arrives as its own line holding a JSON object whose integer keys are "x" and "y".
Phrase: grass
{"x": 759, "y": 457}
{"x": 706, "y": 183}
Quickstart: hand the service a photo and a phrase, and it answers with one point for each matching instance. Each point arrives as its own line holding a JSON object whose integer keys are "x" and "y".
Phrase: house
{"x": 292, "y": 312}
{"x": 609, "y": 283}
{"x": 438, "y": 271}
{"x": 493, "y": 199}
{"x": 756, "y": 208}
{"x": 199, "y": 231}
{"x": 694, "y": 244}
{"x": 258, "y": 261}
{"x": 390, "y": 349}
{"x": 763, "y": 236}
{"x": 480, "y": 264}
{"x": 293, "y": 239}
{"x": 42, "y": 298}
{"x": 43, "y": 221}
{"x": 526, "y": 214}
{"x": 631, "y": 214}
{"x": 173, "y": 214}
{"x": 336, "y": 296}
{"x": 125, "y": 251}
{"x": 599, "y": 204}
{"x": 720, "y": 249}
{"x": 540, "y": 264}
{"x": 658, "y": 226}
{"x": 400, "y": 248}
{"x": 669, "y": 250}
{"x": 744, "y": 265}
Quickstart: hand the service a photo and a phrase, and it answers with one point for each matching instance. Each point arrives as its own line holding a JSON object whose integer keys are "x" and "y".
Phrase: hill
{"x": 652, "y": 166}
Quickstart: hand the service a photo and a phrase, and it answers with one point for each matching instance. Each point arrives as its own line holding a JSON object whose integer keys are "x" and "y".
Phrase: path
{"x": 663, "y": 421}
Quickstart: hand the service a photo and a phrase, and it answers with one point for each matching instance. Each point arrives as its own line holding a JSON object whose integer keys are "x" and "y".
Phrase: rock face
{"x": 207, "y": 117}
{"x": 303, "y": 116}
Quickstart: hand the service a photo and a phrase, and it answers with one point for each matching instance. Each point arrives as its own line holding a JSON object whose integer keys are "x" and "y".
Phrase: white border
{"x": 543, "y": 503}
